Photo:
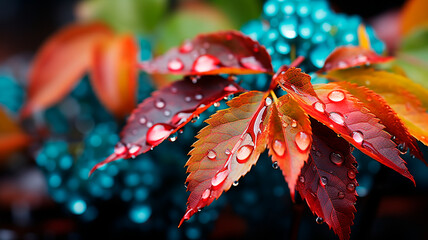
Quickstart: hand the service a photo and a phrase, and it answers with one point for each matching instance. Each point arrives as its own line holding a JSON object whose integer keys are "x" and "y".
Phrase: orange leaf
{"x": 388, "y": 117}
{"x": 226, "y": 149}
{"x": 60, "y": 64}
{"x": 328, "y": 180}
{"x": 347, "y": 116}
{"x": 114, "y": 74}
{"x": 12, "y": 138}
{"x": 289, "y": 138}
{"x": 398, "y": 92}
{"x": 228, "y": 52}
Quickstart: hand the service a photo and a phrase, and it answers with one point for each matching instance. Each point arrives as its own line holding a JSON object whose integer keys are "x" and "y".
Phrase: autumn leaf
{"x": 289, "y": 138}
{"x": 168, "y": 110}
{"x": 114, "y": 74}
{"x": 328, "y": 180}
{"x": 347, "y": 116}
{"x": 351, "y": 56}
{"x": 60, "y": 64}
{"x": 12, "y": 137}
{"x": 228, "y": 52}
{"x": 388, "y": 117}
{"x": 408, "y": 99}
{"x": 226, "y": 149}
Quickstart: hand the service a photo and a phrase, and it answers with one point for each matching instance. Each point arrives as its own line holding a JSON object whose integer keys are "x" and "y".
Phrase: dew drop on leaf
{"x": 341, "y": 195}
{"x": 175, "y": 65}
{"x": 336, "y": 96}
{"x": 211, "y": 155}
{"x": 142, "y": 120}
{"x": 195, "y": 118}
{"x": 337, "y": 118}
{"x": 319, "y": 220}
{"x": 268, "y": 101}
{"x": 149, "y": 124}
{"x": 302, "y": 141}
{"x": 293, "y": 123}
{"x": 350, "y": 187}
{"x": 358, "y": 136}
{"x": 319, "y": 106}
{"x": 227, "y": 152}
{"x": 206, "y": 63}
{"x": 336, "y": 158}
{"x": 235, "y": 183}
{"x": 167, "y": 113}
{"x": 217, "y": 104}
{"x": 278, "y": 147}
{"x": 275, "y": 165}
{"x": 219, "y": 178}
{"x": 243, "y": 153}
{"x": 302, "y": 179}
{"x": 402, "y": 148}
{"x": 157, "y": 133}
{"x": 160, "y": 103}
{"x": 187, "y": 99}
{"x": 134, "y": 149}
{"x": 173, "y": 137}
{"x": 323, "y": 181}
{"x": 120, "y": 149}
{"x": 206, "y": 194}
{"x": 186, "y": 47}
{"x": 198, "y": 96}
{"x": 351, "y": 174}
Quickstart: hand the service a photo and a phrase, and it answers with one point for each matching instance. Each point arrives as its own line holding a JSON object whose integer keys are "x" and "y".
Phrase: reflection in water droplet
{"x": 175, "y": 65}
{"x": 336, "y": 158}
{"x": 351, "y": 174}
{"x": 323, "y": 181}
{"x": 173, "y": 137}
{"x": 341, "y": 195}
{"x": 230, "y": 88}
{"x": 217, "y": 104}
{"x": 350, "y": 187}
{"x": 275, "y": 165}
{"x": 134, "y": 149}
{"x": 211, "y": 155}
{"x": 219, "y": 178}
{"x": 302, "y": 141}
{"x": 120, "y": 149}
{"x": 336, "y": 96}
{"x": 278, "y": 147}
{"x": 206, "y": 63}
{"x": 358, "y": 137}
{"x": 337, "y": 118}
{"x": 235, "y": 183}
{"x": 402, "y": 148}
{"x": 268, "y": 101}
{"x": 206, "y": 194}
{"x": 160, "y": 103}
{"x": 194, "y": 119}
{"x": 158, "y": 133}
{"x": 319, "y": 106}
{"x": 243, "y": 153}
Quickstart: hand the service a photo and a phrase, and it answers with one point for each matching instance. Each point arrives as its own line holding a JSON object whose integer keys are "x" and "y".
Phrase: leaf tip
{"x": 189, "y": 213}
{"x": 111, "y": 158}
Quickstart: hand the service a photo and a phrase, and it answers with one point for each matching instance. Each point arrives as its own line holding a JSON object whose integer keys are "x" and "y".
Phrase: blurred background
{"x": 44, "y": 160}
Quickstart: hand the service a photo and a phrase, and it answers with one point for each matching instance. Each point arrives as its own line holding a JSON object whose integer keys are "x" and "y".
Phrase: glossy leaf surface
{"x": 351, "y": 56}
{"x": 221, "y": 52}
{"x": 60, "y": 64}
{"x": 168, "y": 110}
{"x": 226, "y": 149}
{"x": 328, "y": 180}
{"x": 388, "y": 117}
{"x": 398, "y": 93}
{"x": 289, "y": 138}
{"x": 114, "y": 74}
{"x": 347, "y": 116}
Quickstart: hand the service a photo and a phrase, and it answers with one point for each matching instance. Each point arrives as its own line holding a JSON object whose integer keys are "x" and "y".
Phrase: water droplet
{"x": 134, "y": 149}
{"x": 167, "y": 113}
{"x": 351, "y": 174}
{"x": 194, "y": 119}
{"x": 358, "y": 137}
{"x": 278, "y": 147}
{"x": 195, "y": 79}
{"x": 160, "y": 103}
{"x": 302, "y": 141}
{"x": 302, "y": 179}
{"x": 175, "y": 65}
{"x": 187, "y": 99}
{"x": 219, "y": 178}
{"x": 337, "y": 118}
{"x": 323, "y": 181}
{"x": 243, "y": 153}
{"x": 217, "y": 104}
{"x": 149, "y": 124}
{"x": 211, "y": 155}
{"x": 120, "y": 149}
{"x": 350, "y": 187}
{"x": 251, "y": 63}
{"x": 186, "y": 184}
{"x": 402, "y": 148}
{"x": 186, "y": 47}
{"x": 205, "y": 63}
{"x": 336, "y": 96}
{"x": 319, "y": 220}
{"x": 336, "y": 158}
{"x": 319, "y": 106}
{"x": 142, "y": 120}
{"x": 318, "y": 153}
{"x": 227, "y": 152}
{"x": 174, "y": 90}
{"x": 206, "y": 194}
{"x": 173, "y": 137}
{"x": 268, "y": 101}
{"x": 355, "y": 164}
{"x": 181, "y": 131}
{"x": 230, "y": 88}
{"x": 275, "y": 165}
{"x": 235, "y": 183}
{"x": 198, "y": 96}
{"x": 293, "y": 123}
{"x": 157, "y": 133}
{"x": 341, "y": 195}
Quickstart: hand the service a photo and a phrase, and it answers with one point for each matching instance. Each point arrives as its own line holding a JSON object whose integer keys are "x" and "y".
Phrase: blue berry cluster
{"x": 12, "y": 95}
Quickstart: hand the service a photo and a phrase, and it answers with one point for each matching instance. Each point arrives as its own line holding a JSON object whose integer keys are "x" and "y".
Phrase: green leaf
{"x": 239, "y": 11}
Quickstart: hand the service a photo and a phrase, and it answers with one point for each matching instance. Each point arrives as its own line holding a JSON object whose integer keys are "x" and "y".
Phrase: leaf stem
{"x": 275, "y": 98}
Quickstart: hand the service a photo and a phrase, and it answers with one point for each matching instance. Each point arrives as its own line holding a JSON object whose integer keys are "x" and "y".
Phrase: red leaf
{"x": 221, "y": 52}
{"x": 226, "y": 149}
{"x": 351, "y": 56}
{"x": 388, "y": 117}
{"x": 168, "y": 110}
{"x": 60, "y": 64}
{"x": 289, "y": 138}
{"x": 347, "y": 116}
{"x": 114, "y": 74}
{"x": 328, "y": 180}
